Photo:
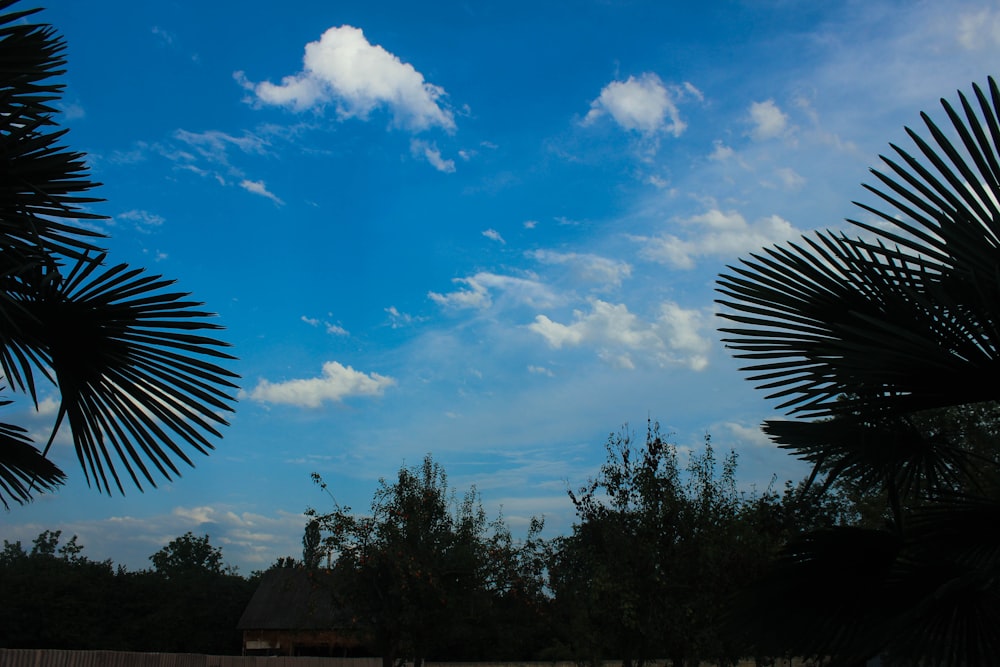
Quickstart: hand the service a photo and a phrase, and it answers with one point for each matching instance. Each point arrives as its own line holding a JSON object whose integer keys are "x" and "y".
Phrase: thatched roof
{"x": 292, "y": 599}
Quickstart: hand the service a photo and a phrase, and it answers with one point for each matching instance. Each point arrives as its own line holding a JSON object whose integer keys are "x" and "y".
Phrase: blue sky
{"x": 488, "y": 231}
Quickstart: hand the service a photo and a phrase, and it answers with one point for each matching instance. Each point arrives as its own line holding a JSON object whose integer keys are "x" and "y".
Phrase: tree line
{"x": 656, "y": 552}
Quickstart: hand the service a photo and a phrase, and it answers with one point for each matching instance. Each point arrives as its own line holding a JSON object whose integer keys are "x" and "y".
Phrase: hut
{"x": 293, "y": 613}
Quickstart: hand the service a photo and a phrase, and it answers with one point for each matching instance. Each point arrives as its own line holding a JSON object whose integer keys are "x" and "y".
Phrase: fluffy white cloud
{"x": 430, "y": 152}
{"x": 768, "y": 120}
{"x": 337, "y": 383}
{"x": 258, "y": 188}
{"x": 644, "y": 105}
{"x": 343, "y": 68}
{"x": 716, "y": 233}
{"x": 477, "y": 295}
{"x": 674, "y": 337}
{"x": 586, "y": 267}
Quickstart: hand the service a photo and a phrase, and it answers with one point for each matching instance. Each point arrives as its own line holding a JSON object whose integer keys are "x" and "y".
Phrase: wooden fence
{"x": 56, "y": 658}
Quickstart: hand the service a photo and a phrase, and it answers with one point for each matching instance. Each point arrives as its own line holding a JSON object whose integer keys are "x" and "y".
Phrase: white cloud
{"x": 214, "y": 145}
{"x": 979, "y": 30}
{"x": 540, "y": 370}
{"x": 790, "y": 179}
{"x": 721, "y": 152}
{"x": 337, "y": 383}
{"x": 494, "y": 235}
{"x": 680, "y": 329}
{"x": 258, "y": 188}
{"x": 399, "y": 319}
{"x": 430, "y": 152}
{"x": 590, "y": 268}
{"x": 164, "y": 35}
{"x": 143, "y": 220}
{"x": 768, "y": 120}
{"x": 72, "y": 111}
{"x": 644, "y": 105}
{"x": 477, "y": 295}
{"x": 674, "y": 337}
{"x": 332, "y": 329}
{"x": 530, "y": 224}
{"x": 343, "y": 68}
{"x": 717, "y": 233}
{"x": 336, "y": 330}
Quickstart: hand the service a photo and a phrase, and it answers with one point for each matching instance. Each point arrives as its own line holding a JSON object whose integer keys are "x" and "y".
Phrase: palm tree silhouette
{"x": 136, "y": 377}
{"x": 866, "y": 340}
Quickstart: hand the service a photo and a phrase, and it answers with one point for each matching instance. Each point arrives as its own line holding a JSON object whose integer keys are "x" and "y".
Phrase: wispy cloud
{"x": 429, "y": 151}
{"x": 357, "y": 77}
{"x": 714, "y": 233}
{"x": 258, "y": 188}
{"x": 602, "y": 271}
{"x": 398, "y": 319}
{"x": 494, "y": 235}
{"x": 143, "y": 220}
{"x": 337, "y": 383}
{"x": 329, "y": 327}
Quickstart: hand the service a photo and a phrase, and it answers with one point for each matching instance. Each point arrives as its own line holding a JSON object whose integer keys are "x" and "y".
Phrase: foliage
{"x": 891, "y": 341}
{"x": 657, "y": 552}
{"x": 56, "y": 597}
{"x": 137, "y": 380}
{"x": 188, "y": 555}
{"x": 425, "y": 575}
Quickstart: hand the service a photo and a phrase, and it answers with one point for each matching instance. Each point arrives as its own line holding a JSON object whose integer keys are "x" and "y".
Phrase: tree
{"x": 312, "y": 552}
{"x": 422, "y": 573}
{"x": 188, "y": 555}
{"x": 136, "y": 378}
{"x": 867, "y": 340}
{"x": 656, "y": 555}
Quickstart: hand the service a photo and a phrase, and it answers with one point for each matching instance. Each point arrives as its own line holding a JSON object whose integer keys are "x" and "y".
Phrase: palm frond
{"x": 22, "y": 467}
{"x": 134, "y": 371}
{"x": 905, "y": 320}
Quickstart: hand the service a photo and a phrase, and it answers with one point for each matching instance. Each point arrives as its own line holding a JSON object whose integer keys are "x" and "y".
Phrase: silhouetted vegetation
{"x": 136, "y": 379}
{"x": 647, "y": 572}
{"x": 56, "y": 597}
{"x": 886, "y": 347}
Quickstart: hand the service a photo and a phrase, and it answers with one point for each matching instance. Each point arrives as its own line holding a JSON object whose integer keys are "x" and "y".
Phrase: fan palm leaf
{"x": 901, "y": 321}
{"x": 872, "y": 336}
{"x": 22, "y": 466}
{"x": 141, "y": 380}
{"x": 133, "y": 368}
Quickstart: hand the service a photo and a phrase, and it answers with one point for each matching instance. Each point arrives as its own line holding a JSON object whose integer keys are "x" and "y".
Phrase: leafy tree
{"x": 312, "y": 552}
{"x": 188, "y": 555}
{"x": 54, "y": 597}
{"x": 655, "y": 556}
{"x": 417, "y": 572}
{"x": 867, "y": 340}
{"x": 137, "y": 380}
{"x": 57, "y": 597}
